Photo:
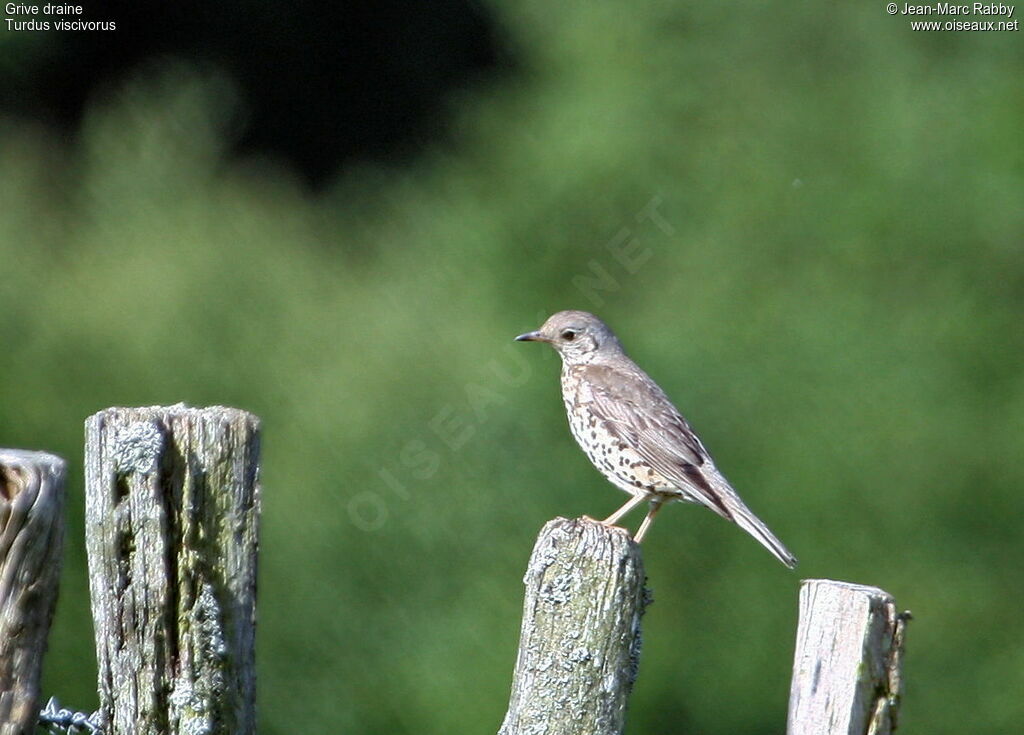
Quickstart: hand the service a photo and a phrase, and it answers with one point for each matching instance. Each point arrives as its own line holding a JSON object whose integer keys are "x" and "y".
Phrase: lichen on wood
{"x": 579, "y": 646}
{"x": 172, "y": 506}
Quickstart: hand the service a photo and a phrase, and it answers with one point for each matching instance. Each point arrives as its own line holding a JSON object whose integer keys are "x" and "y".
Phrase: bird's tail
{"x": 745, "y": 519}
{"x": 753, "y": 525}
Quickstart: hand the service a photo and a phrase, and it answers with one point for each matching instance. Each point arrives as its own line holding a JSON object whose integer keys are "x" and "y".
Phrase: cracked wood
{"x": 31, "y": 541}
{"x": 848, "y": 661}
{"x": 172, "y": 506}
{"x": 579, "y": 645}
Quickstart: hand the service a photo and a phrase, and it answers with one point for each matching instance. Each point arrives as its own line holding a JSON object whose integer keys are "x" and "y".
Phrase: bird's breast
{"x": 613, "y": 457}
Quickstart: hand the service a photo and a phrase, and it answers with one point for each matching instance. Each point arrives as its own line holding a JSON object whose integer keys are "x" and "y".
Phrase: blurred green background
{"x": 825, "y": 217}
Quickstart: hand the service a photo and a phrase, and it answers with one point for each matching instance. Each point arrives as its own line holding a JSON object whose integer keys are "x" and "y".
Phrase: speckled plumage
{"x": 633, "y": 434}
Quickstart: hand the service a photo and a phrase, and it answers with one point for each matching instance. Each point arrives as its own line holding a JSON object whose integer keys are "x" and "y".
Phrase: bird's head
{"x": 579, "y": 337}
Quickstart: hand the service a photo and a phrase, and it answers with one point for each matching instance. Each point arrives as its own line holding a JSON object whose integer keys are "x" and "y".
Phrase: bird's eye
{"x": 568, "y": 335}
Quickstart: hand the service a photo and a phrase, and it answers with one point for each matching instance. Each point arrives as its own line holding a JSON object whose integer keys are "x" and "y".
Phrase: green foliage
{"x": 833, "y": 297}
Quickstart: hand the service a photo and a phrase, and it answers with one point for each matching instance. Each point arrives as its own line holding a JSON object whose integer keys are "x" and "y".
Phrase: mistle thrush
{"x": 633, "y": 434}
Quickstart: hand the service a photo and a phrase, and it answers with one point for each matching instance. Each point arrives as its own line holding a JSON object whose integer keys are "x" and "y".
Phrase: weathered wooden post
{"x": 31, "y": 539}
{"x": 579, "y": 647}
{"x": 172, "y": 506}
{"x": 847, "y": 667}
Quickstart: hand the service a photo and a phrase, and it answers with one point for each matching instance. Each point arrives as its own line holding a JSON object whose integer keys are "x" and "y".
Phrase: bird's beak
{"x": 532, "y": 337}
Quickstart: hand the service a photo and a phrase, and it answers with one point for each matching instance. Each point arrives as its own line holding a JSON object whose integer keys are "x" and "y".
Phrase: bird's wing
{"x": 638, "y": 413}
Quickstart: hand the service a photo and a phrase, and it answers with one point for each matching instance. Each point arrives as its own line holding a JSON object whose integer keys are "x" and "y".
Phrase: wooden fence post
{"x": 172, "y": 506}
{"x": 579, "y": 647}
{"x": 847, "y": 667}
{"x": 31, "y": 538}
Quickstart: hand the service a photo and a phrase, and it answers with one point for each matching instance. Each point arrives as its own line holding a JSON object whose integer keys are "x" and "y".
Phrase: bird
{"x": 633, "y": 434}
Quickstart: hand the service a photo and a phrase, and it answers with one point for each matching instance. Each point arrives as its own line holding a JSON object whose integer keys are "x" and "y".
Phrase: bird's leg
{"x": 649, "y": 519}
{"x": 630, "y": 504}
